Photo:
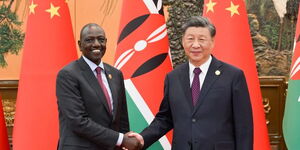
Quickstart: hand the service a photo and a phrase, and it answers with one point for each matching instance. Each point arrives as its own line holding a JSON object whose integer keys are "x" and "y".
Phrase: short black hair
{"x": 199, "y": 21}
{"x": 89, "y": 25}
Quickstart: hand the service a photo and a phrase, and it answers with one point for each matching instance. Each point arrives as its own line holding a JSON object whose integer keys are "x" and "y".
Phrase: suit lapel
{"x": 185, "y": 83}
{"x": 209, "y": 80}
{"x": 92, "y": 80}
{"x": 110, "y": 78}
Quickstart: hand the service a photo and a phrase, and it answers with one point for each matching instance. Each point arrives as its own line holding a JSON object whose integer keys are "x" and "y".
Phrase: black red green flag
{"x": 143, "y": 57}
{"x": 291, "y": 120}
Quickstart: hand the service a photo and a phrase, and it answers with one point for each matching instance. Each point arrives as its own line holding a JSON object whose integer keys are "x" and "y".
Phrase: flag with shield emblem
{"x": 143, "y": 57}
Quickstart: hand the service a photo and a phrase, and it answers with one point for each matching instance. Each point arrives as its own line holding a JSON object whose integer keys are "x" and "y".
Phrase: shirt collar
{"x": 92, "y": 65}
{"x": 204, "y": 67}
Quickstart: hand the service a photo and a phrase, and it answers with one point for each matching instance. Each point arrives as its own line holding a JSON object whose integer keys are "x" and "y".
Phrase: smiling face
{"x": 92, "y": 43}
{"x": 198, "y": 44}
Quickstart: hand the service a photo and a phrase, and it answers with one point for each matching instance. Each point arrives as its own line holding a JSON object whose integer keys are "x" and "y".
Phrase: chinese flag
{"x": 3, "y": 132}
{"x": 49, "y": 45}
{"x": 143, "y": 57}
{"x": 233, "y": 45}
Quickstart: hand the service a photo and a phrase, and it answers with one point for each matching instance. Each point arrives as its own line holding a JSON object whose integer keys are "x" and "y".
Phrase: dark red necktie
{"x": 98, "y": 71}
{"x": 196, "y": 85}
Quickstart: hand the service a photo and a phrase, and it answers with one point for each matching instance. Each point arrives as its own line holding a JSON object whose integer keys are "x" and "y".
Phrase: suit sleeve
{"x": 124, "y": 122}
{"x": 242, "y": 112}
{"x": 71, "y": 106}
{"x": 162, "y": 122}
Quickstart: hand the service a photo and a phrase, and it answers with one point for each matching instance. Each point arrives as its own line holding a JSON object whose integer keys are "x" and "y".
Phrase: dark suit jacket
{"x": 221, "y": 119}
{"x": 85, "y": 122}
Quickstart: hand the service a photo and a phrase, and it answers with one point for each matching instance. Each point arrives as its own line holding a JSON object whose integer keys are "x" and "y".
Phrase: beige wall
{"x": 104, "y": 12}
{"x": 12, "y": 71}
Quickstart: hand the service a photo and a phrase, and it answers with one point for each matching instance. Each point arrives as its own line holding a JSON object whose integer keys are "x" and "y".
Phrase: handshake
{"x": 132, "y": 141}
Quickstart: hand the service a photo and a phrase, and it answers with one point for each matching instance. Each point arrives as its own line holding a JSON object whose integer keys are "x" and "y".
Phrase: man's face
{"x": 93, "y": 43}
{"x": 198, "y": 44}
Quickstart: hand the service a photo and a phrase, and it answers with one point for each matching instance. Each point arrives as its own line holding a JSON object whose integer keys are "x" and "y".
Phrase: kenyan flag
{"x": 291, "y": 120}
{"x": 143, "y": 57}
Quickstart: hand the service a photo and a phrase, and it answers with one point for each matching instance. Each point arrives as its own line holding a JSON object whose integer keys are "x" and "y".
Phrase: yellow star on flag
{"x": 233, "y": 9}
{"x": 210, "y": 6}
{"x": 66, "y": 1}
{"x": 32, "y": 7}
{"x": 53, "y": 10}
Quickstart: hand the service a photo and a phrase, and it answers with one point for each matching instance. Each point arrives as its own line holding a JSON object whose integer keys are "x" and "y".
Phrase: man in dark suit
{"x": 206, "y": 101}
{"x": 91, "y": 99}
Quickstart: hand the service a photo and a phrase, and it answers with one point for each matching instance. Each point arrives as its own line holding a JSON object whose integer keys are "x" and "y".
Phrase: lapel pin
{"x": 109, "y": 76}
{"x": 218, "y": 72}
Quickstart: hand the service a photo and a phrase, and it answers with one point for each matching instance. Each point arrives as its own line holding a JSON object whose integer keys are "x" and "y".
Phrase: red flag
{"x": 233, "y": 45}
{"x": 143, "y": 57}
{"x": 49, "y": 45}
{"x": 3, "y": 131}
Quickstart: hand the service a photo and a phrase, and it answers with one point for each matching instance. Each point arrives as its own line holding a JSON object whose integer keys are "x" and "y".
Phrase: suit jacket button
{"x": 193, "y": 120}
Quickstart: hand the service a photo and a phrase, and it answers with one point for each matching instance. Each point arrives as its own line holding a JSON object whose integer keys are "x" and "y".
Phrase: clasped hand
{"x": 132, "y": 141}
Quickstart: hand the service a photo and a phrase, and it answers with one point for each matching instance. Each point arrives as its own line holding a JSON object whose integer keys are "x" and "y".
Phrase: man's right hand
{"x": 137, "y": 136}
{"x": 131, "y": 143}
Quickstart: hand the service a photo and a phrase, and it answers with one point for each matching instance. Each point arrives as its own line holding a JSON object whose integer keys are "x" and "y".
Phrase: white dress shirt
{"x": 204, "y": 68}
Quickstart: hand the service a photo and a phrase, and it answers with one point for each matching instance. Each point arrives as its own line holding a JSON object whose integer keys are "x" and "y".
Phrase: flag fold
{"x": 4, "y": 145}
{"x": 143, "y": 57}
{"x": 49, "y": 45}
{"x": 291, "y": 120}
{"x": 233, "y": 44}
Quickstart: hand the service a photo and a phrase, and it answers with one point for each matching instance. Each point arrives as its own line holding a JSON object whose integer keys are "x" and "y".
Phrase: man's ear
{"x": 213, "y": 43}
{"x": 79, "y": 43}
{"x": 181, "y": 41}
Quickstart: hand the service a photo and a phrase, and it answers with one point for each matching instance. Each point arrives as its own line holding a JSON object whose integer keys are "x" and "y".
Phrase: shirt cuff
{"x": 120, "y": 139}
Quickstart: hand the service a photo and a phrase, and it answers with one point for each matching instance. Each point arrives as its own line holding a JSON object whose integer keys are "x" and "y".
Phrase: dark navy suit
{"x": 221, "y": 119}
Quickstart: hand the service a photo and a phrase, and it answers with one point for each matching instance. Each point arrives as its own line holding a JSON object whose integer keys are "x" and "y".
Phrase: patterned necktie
{"x": 196, "y": 85}
{"x": 98, "y": 71}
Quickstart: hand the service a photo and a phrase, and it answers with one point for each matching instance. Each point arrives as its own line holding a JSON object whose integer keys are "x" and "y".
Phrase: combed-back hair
{"x": 199, "y": 21}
